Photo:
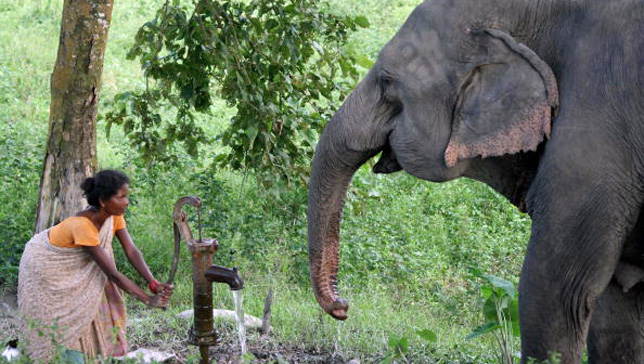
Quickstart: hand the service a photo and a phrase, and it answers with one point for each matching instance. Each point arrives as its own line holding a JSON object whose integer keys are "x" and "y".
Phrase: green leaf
{"x": 248, "y": 358}
{"x": 364, "y": 61}
{"x": 362, "y": 21}
{"x": 186, "y": 92}
{"x": 317, "y": 47}
{"x": 393, "y": 342}
{"x": 497, "y": 282}
{"x": 489, "y": 309}
{"x": 403, "y": 345}
{"x": 487, "y": 292}
{"x": 428, "y": 335}
{"x": 514, "y": 310}
{"x": 122, "y": 97}
{"x": 514, "y": 317}
{"x": 516, "y": 330}
{"x": 483, "y": 329}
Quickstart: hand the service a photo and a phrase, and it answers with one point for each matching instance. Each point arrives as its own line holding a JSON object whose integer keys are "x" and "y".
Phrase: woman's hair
{"x": 104, "y": 184}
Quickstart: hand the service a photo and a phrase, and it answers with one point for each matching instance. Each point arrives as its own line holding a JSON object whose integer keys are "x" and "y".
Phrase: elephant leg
{"x": 617, "y": 326}
{"x": 584, "y": 202}
{"x": 576, "y": 243}
{"x": 556, "y": 299}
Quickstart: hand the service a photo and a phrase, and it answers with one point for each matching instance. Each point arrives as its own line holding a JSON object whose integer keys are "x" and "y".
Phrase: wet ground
{"x": 264, "y": 349}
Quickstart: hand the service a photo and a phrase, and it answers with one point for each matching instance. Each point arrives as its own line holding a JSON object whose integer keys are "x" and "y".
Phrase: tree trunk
{"x": 75, "y": 85}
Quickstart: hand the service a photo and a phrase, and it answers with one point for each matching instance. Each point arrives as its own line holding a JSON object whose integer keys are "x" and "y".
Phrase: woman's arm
{"x": 133, "y": 254}
{"x": 108, "y": 266}
{"x": 136, "y": 259}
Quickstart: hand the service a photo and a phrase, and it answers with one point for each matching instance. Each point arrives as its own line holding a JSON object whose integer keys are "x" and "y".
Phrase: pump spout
{"x": 229, "y": 276}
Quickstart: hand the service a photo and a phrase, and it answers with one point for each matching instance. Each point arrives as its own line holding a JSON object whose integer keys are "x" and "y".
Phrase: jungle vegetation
{"x": 412, "y": 252}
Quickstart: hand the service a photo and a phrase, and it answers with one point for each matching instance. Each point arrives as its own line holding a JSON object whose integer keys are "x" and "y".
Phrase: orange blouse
{"x": 77, "y": 231}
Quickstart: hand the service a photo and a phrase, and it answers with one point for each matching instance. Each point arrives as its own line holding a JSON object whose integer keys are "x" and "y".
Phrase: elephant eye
{"x": 384, "y": 83}
{"x": 387, "y": 88}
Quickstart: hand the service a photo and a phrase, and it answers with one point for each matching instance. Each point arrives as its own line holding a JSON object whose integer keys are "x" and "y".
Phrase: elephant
{"x": 543, "y": 100}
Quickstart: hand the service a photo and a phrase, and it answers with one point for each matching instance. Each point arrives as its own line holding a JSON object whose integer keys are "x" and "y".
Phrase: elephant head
{"x": 448, "y": 91}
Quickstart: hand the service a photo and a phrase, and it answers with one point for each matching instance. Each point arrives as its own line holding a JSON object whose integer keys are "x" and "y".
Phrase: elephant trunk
{"x": 351, "y": 137}
{"x": 327, "y": 189}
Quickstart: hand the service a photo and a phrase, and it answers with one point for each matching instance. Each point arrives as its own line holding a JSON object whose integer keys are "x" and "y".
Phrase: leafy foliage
{"x": 398, "y": 347}
{"x": 19, "y": 171}
{"x": 406, "y": 247}
{"x": 280, "y": 63}
{"x": 427, "y": 335}
{"x": 501, "y": 310}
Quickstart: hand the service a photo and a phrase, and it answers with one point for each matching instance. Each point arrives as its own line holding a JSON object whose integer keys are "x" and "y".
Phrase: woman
{"x": 68, "y": 284}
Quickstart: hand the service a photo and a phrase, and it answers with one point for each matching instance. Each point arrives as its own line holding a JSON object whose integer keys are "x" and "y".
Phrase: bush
{"x": 20, "y": 177}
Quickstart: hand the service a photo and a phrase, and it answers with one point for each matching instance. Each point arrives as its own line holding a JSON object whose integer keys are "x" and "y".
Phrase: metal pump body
{"x": 204, "y": 274}
{"x": 201, "y": 250}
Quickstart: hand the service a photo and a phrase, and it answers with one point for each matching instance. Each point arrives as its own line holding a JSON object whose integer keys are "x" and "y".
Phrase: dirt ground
{"x": 265, "y": 349}
{"x": 8, "y": 316}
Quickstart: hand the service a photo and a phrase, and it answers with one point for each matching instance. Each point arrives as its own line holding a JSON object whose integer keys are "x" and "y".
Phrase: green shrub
{"x": 19, "y": 176}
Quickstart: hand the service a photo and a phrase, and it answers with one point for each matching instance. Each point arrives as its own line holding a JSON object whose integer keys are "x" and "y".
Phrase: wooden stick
{"x": 266, "y": 319}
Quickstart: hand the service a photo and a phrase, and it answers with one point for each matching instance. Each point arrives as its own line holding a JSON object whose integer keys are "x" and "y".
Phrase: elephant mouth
{"x": 518, "y": 197}
{"x": 388, "y": 162}
{"x": 522, "y": 185}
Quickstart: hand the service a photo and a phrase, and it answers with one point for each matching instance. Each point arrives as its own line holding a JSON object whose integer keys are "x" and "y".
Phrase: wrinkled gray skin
{"x": 557, "y": 126}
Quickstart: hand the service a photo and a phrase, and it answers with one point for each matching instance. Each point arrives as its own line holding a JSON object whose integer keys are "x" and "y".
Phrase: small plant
{"x": 247, "y": 358}
{"x": 501, "y": 311}
{"x": 399, "y": 347}
{"x": 428, "y": 335}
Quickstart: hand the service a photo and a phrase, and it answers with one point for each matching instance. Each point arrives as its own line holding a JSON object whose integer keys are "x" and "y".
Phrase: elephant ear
{"x": 505, "y": 106}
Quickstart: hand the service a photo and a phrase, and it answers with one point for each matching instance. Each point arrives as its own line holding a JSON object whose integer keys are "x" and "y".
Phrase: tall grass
{"x": 407, "y": 245}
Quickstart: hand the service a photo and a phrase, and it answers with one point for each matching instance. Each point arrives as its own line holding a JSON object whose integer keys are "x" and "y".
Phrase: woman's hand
{"x": 162, "y": 299}
{"x": 165, "y": 288}
{"x": 159, "y": 300}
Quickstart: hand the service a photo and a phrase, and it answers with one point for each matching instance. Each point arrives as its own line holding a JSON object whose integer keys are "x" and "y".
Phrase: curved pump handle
{"x": 193, "y": 200}
{"x": 179, "y": 217}
{"x": 181, "y": 229}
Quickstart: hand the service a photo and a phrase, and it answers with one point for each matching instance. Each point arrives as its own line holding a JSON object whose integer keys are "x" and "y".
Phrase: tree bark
{"x": 75, "y": 85}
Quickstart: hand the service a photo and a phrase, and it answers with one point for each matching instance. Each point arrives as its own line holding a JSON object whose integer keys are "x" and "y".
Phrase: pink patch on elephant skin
{"x": 524, "y": 135}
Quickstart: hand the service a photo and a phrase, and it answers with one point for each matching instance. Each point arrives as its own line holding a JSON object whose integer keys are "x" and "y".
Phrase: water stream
{"x": 239, "y": 309}
{"x": 338, "y": 339}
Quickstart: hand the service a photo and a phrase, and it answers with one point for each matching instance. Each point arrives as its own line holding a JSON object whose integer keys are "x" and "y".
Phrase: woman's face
{"x": 117, "y": 204}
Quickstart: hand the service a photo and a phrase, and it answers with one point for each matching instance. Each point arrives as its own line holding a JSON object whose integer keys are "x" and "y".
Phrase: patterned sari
{"x": 64, "y": 294}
